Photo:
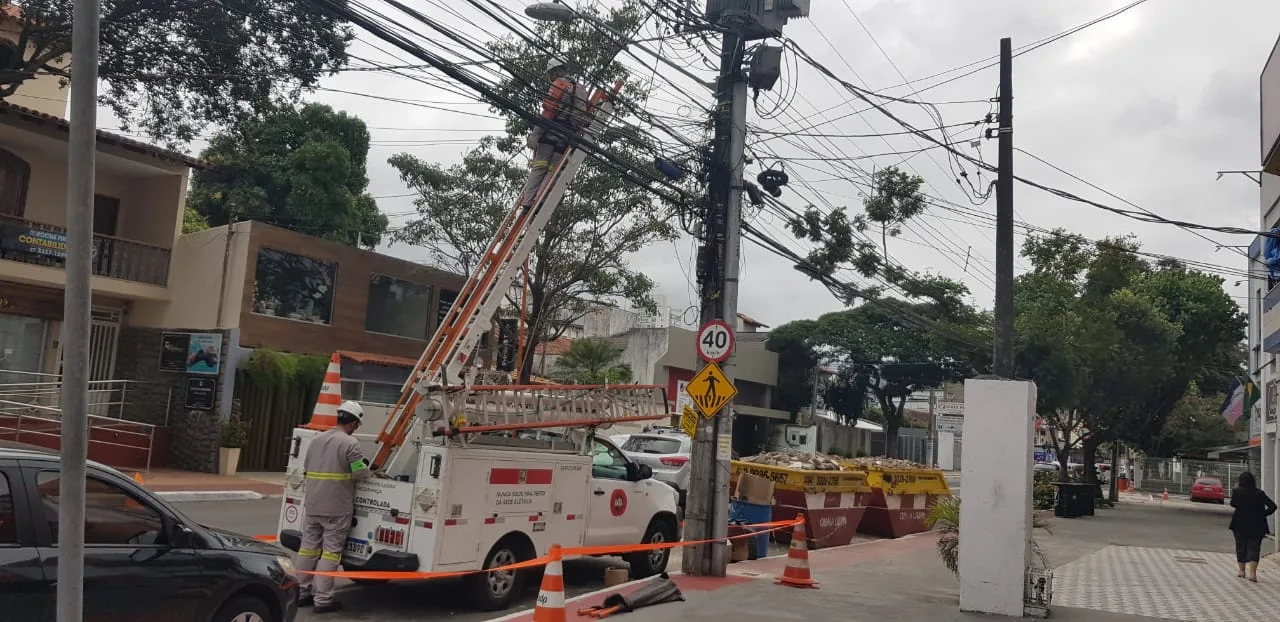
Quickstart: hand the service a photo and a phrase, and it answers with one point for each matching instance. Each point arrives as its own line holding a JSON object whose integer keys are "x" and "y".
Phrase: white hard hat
{"x": 555, "y": 63}
{"x": 353, "y": 408}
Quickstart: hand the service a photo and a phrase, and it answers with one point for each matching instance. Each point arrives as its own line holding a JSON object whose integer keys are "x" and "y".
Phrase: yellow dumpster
{"x": 832, "y": 502}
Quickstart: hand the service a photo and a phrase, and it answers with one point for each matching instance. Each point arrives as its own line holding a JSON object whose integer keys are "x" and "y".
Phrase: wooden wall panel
{"x": 347, "y": 328}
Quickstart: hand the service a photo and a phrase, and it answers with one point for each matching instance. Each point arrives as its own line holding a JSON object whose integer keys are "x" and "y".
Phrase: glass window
{"x": 8, "y": 518}
{"x": 14, "y": 175}
{"x": 381, "y": 392}
{"x": 351, "y": 390}
{"x": 652, "y": 445}
{"x": 21, "y": 350}
{"x": 111, "y": 515}
{"x": 294, "y": 287}
{"x": 607, "y": 462}
{"x": 397, "y": 307}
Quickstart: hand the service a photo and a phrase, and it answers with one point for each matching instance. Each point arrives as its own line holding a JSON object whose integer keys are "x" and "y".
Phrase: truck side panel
{"x": 460, "y": 519}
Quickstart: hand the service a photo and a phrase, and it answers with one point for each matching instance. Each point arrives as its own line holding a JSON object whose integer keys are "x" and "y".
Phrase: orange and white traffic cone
{"x": 325, "y": 415}
{"x": 796, "y": 573}
{"x": 1165, "y": 496}
{"x": 550, "y": 607}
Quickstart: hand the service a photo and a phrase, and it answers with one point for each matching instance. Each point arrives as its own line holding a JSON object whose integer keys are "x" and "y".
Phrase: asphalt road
{"x": 398, "y": 600}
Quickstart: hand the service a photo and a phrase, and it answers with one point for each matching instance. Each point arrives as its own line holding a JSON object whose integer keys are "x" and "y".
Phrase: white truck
{"x": 474, "y": 475}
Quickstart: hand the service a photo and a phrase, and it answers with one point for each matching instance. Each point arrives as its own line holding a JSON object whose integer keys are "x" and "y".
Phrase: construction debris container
{"x": 832, "y": 502}
{"x": 748, "y": 513}
{"x": 900, "y": 500}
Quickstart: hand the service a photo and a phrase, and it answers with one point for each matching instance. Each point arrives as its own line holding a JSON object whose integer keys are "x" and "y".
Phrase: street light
{"x": 551, "y": 12}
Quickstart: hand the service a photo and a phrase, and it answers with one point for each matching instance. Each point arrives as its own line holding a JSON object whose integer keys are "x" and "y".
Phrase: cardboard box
{"x": 754, "y": 489}
{"x": 740, "y": 551}
{"x": 616, "y": 576}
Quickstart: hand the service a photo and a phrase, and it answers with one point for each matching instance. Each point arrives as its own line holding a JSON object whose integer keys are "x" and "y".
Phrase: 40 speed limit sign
{"x": 715, "y": 341}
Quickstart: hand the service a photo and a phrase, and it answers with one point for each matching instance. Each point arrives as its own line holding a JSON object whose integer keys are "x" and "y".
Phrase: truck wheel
{"x": 493, "y": 591}
{"x": 649, "y": 563}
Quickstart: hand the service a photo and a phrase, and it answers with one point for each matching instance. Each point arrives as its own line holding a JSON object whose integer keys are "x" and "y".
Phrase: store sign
{"x": 26, "y": 239}
{"x": 192, "y": 353}
{"x": 202, "y": 393}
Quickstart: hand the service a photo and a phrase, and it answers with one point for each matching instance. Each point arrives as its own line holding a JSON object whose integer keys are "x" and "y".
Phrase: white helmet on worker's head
{"x": 555, "y": 63}
{"x": 353, "y": 408}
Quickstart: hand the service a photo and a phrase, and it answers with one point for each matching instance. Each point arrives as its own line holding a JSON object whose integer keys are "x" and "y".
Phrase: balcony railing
{"x": 46, "y": 245}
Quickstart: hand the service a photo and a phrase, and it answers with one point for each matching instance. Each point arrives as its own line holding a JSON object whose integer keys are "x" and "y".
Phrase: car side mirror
{"x": 181, "y": 536}
{"x": 643, "y": 472}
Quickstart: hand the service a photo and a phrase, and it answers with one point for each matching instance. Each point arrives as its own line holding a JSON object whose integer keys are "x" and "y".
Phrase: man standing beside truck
{"x": 333, "y": 465}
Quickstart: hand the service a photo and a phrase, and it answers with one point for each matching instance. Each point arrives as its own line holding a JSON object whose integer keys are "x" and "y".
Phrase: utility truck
{"x": 462, "y": 483}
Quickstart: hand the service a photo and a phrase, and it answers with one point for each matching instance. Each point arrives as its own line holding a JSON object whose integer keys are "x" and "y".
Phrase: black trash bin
{"x": 1074, "y": 500}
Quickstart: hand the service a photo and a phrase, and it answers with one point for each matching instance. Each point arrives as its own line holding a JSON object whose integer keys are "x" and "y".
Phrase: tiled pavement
{"x": 1167, "y": 583}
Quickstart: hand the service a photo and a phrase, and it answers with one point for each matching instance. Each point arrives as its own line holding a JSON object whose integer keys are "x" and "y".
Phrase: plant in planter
{"x": 235, "y": 435}
{"x": 945, "y": 518}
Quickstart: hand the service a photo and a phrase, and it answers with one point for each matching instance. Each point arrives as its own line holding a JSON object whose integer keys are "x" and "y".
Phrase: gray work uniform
{"x": 567, "y": 104}
{"x": 333, "y": 465}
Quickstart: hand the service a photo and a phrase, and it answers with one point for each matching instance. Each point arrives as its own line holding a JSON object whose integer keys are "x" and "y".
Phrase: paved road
{"x": 400, "y": 600}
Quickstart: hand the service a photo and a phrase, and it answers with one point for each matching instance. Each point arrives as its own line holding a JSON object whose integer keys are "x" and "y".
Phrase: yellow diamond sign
{"x": 689, "y": 420}
{"x": 710, "y": 390}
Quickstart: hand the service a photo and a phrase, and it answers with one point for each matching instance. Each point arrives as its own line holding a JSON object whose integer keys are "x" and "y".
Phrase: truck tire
{"x": 649, "y": 563}
{"x": 494, "y": 591}
{"x": 244, "y": 609}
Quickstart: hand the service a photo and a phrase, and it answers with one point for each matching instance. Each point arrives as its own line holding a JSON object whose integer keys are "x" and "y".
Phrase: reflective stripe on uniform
{"x": 328, "y": 476}
{"x": 331, "y": 557}
{"x": 309, "y": 553}
{"x": 541, "y": 163}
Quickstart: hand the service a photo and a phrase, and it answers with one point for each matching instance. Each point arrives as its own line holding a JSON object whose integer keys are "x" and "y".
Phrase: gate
{"x": 272, "y": 413}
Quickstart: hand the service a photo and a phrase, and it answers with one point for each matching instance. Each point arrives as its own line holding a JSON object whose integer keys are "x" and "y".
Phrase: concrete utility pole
{"x": 1003, "y": 355}
{"x": 82, "y": 146}
{"x": 707, "y": 516}
{"x": 933, "y": 430}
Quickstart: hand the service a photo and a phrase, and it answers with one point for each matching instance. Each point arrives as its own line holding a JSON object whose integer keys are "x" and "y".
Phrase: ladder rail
{"x": 446, "y": 355}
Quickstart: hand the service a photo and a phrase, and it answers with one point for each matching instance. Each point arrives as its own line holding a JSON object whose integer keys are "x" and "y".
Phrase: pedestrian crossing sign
{"x": 688, "y": 421}
{"x": 710, "y": 390}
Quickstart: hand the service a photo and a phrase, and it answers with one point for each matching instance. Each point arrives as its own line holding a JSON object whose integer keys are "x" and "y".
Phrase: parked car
{"x": 1208, "y": 489}
{"x": 144, "y": 560}
{"x": 667, "y": 453}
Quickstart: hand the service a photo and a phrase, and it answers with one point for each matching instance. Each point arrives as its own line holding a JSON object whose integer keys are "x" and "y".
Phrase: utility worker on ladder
{"x": 333, "y": 466}
{"x": 565, "y": 104}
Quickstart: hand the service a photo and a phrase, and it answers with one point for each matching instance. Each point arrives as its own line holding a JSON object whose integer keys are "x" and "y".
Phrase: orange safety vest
{"x": 565, "y": 102}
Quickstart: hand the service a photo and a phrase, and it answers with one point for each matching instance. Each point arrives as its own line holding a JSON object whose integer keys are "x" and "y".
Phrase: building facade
{"x": 1264, "y": 295}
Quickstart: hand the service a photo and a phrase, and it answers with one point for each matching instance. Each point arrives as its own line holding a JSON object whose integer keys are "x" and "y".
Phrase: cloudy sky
{"x": 1147, "y": 105}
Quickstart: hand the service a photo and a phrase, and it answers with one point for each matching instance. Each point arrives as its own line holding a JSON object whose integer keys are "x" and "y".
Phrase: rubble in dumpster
{"x": 796, "y": 460}
{"x": 881, "y": 463}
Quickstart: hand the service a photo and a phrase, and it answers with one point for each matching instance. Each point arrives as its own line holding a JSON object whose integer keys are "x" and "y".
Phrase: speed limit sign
{"x": 715, "y": 341}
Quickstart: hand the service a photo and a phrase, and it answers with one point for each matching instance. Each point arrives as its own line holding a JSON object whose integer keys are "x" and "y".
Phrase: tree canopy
{"x": 170, "y": 68}
{"x": 1194, "y": 424}
{"x": 301, "y": 168}
{"x": 582, "y": 255}
{"x": 592, "y": 361}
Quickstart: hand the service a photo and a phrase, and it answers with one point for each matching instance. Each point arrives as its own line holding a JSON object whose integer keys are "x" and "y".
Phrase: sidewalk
{"x": 184, "y": 486}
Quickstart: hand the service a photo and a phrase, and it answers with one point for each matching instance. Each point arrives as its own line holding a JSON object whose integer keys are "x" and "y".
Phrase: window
{"x": 374, "y": 392}
{"x": 106, "y": 213}
{"x": 397, "y": 307}
{"x": 294, "y": 287}
{"x": 111, "y": 515}
{"x": 653, "y": 445}
{"x": 14, "y": 175}
{"x": 607, "y": 462}
{"x": 8, "y": 517}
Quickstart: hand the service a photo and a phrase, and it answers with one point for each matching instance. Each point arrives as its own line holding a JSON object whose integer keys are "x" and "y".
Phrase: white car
{"x": 667, "y": 453}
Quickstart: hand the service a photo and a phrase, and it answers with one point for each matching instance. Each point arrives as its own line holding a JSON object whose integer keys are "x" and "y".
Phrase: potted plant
{"x": 235, "y": 435}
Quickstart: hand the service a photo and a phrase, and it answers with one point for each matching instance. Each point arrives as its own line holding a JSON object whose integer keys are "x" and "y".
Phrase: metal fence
{"x": 1177, "y": 475}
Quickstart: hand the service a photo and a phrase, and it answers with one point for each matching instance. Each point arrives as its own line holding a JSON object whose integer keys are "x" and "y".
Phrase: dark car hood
{"x": 238, "y": 542}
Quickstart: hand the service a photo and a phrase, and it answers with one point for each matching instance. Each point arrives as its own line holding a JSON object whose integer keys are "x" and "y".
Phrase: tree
{"x": 192, "y": 221}
{"x": 895, "y": 198}
{"x": 298, "y": 168}
{"x": 169, "y": 68}
{"x": 797, "y": 365}
{"x": 581, "y": 257}
{"x": 592, "y": 361}
{"x": 1195, "y": 423}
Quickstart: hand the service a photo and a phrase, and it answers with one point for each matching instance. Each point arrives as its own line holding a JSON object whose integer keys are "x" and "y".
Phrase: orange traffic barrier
{"x": 550, "y": 607}
{"x": 796, "y": 573}
{"x": 325, "y": 415}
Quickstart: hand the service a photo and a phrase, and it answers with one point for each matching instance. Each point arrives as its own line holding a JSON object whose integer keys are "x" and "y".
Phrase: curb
{"x": 188, "y": 496}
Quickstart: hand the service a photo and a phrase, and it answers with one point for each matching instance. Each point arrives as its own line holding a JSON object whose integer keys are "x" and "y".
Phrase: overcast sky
{"x": 1148, "y": 105}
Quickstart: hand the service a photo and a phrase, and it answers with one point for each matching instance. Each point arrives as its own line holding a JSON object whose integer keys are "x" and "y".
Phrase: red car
{"x": 1208, "y": 489}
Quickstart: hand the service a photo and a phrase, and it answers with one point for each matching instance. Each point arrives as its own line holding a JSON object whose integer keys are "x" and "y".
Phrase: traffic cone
{"x": 128, "y": 501}
{"x": 550, "y": 607}
{"x": 796, "y": 573}
{"x": 137, "y": 477}
{"x": 325, "y": 415}
{"x": 1165, "y": 495}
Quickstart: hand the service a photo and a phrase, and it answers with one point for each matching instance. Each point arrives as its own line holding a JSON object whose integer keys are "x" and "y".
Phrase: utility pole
{"x": 1003, "y": 356}
{"x": 933, "y": 430}
{"x": 82, "y": 146}
{"x": 707, "y": 516}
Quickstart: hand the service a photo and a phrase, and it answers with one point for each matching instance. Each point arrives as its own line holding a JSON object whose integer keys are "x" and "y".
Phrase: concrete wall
{"x": 995, "y": 518}
{"x": 196, "y": 278}
{"x": 845, "y": 439}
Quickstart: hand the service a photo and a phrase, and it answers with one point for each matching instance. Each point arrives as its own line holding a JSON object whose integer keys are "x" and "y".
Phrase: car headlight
{"x": 286, "y": 565}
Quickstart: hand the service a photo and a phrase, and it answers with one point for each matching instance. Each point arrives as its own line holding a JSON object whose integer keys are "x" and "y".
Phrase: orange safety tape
{"x": 581, "y": 551}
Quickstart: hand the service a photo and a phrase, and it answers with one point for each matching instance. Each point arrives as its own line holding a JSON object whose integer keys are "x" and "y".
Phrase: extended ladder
{"x": 441, "y": 368}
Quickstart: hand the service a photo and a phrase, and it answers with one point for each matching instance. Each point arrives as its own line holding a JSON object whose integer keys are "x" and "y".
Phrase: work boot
{"x": 306, "y": 600}
{"x": 332, "y": 607}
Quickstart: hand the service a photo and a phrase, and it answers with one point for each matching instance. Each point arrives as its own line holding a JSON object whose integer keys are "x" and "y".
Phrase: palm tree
{"x": 944, "y": 517}
{"x": 592, "y": 361}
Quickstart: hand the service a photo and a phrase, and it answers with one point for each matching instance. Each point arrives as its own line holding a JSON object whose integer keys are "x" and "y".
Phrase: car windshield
{"x": 652, "y": 445}
{"x": 1209, "y": 482}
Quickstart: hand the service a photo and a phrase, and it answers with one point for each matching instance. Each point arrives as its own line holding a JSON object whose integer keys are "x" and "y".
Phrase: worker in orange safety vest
{"x": 565, "y": 106}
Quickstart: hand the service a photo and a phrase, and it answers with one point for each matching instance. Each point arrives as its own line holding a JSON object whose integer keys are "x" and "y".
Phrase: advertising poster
{"x": 204, "y": 353}
{"x": 173, "y": 351}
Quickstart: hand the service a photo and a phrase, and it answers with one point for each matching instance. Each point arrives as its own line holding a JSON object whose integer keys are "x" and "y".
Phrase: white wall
{"x": 995, "y": 517}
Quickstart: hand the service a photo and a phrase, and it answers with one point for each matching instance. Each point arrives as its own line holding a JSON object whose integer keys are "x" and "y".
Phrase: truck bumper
{"x": 391, "y": 561}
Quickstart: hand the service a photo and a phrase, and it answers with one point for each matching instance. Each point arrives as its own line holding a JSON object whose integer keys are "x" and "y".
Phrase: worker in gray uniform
{"x": 565, "y": 105}
{"x": 333, "y": 466}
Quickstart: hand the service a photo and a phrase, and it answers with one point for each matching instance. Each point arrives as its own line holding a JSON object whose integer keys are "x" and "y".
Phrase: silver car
{"x": 667, "y": 453}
